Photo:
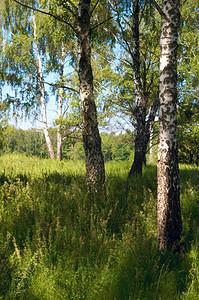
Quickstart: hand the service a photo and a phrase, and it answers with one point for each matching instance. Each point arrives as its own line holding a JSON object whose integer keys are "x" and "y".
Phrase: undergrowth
{"x": 54, "y": 246}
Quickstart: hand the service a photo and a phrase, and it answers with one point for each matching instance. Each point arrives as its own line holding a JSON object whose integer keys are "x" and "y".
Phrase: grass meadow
{"x": 55, "y": 246}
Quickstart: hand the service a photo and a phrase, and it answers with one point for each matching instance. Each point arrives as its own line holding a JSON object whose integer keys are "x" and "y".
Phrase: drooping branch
{"x": 46, "y": 13}
{"x": 122, "y": 40}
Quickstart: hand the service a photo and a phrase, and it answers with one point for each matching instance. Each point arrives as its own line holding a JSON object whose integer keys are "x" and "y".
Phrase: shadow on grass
{"x": 13, "y": 178}
{"x": 118, "y": 259}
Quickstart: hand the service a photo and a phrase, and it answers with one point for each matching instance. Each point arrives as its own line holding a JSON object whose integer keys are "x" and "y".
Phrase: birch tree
{"x": 168, "y": 193}
{"x": 141, "y": 70}
{"x": 140, "y": 99}
{"x": 42, "y": 91}
{"x": 95, "y": 171}
{"x": 45, "y": 53}
{"x": 60, "y": 103}
{"x": 25, "y": 70}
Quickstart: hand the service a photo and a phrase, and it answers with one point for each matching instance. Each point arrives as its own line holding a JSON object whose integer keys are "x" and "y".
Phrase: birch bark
{"x": 151, "y": 143}
{"x": 95, "y": 171}
{"x": 149, "y": 125}
{"x": 168, "y": 193}
{"x": 60, "y": 105}
{"x": 42, "y": 97}
{"x": 59, "y": 131}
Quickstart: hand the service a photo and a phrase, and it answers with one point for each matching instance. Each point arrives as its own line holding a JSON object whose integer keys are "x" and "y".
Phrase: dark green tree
{"x": 188, "y": 82}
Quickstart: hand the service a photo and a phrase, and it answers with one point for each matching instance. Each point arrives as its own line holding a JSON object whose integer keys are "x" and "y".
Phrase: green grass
{"x": 54, "y": 246}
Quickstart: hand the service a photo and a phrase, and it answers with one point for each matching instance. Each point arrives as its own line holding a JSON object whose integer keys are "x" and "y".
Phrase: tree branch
{"x": 94, "y": 7}
{"x": 61, "y": 86}
{"x": 101, "y": 23}
{"x": 46, "y": 13}
{"x": 123, "y": 39}
{"x": 159, "y": 9}
{"x": 183, "y": 3}
{"x": 73, "y": 5}
{"x": 70, "y": 9}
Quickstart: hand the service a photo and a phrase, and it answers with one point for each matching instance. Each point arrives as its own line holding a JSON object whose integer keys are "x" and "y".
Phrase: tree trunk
{"x": 197, "y": 160}
{"x": 140, "y": 100}
{"x": 150, "y": 123}
{"x": 60, "y": 105}
{"x": 151, "y": 144}
{"x": 168, "y": 193}
{"x": 95, "y": 171}
{"x": 42, "y": 97}
{"x": 59, "y": 131}
{"x": 190, "y": 157}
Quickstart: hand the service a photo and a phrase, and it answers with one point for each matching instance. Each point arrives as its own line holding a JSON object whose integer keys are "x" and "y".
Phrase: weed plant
{"x": 53, "y": 245}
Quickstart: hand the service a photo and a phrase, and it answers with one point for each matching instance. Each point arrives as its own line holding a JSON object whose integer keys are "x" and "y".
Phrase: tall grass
{"x": 54, "y": 246}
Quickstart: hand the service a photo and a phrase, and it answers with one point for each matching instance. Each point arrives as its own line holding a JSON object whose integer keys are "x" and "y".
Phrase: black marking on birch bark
{"x": 168, "y": 204}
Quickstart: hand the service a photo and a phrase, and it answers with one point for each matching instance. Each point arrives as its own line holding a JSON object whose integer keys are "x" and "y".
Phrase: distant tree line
{"x": 32, "y": 142}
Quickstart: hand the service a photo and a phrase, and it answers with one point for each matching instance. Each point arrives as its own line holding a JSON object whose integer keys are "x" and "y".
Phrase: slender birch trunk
{"x": 168, "y": 193}
{"x": 60, "y": 106}
{"x": 59, "y": 131}
{"x": 95, "y": 171}
{"x": 42, "y": 97}
{"x": 149, "y": 126}
{"x": 151, "y": 144}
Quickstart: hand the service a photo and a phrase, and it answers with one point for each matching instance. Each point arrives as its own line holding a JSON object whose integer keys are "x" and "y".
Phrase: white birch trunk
{"x": 151, "y": 144}
{"x": 42, "y": 97}
{"x": 168, "y": 193}
{"x": 60, "y": 106}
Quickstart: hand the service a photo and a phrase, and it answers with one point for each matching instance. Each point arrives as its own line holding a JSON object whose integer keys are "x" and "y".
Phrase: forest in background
{"x": 118, "y": 146}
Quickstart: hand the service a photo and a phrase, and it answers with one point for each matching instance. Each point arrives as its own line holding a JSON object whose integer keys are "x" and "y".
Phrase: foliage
{"x": 112, "y": 66}
{"x": 114, "y": 146}
{"x": 5, "y": 133}
{"x": 149, "y": 32}
{"x": 29, "y": 142}
{"x": 53, "y": 246}
{"x": 188, "y": 131}
{"x": 188, "y": 116}
{"x": 32, "y": 143}
{"x": 117, "y": 147}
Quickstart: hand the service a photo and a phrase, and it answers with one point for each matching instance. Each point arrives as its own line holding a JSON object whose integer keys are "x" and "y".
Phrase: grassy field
{"x": 54, "y": 246}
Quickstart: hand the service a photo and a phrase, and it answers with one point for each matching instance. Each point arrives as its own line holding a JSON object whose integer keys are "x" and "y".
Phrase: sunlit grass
{"x": 53, "y": 246}
{"x": 21, "y": 164}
